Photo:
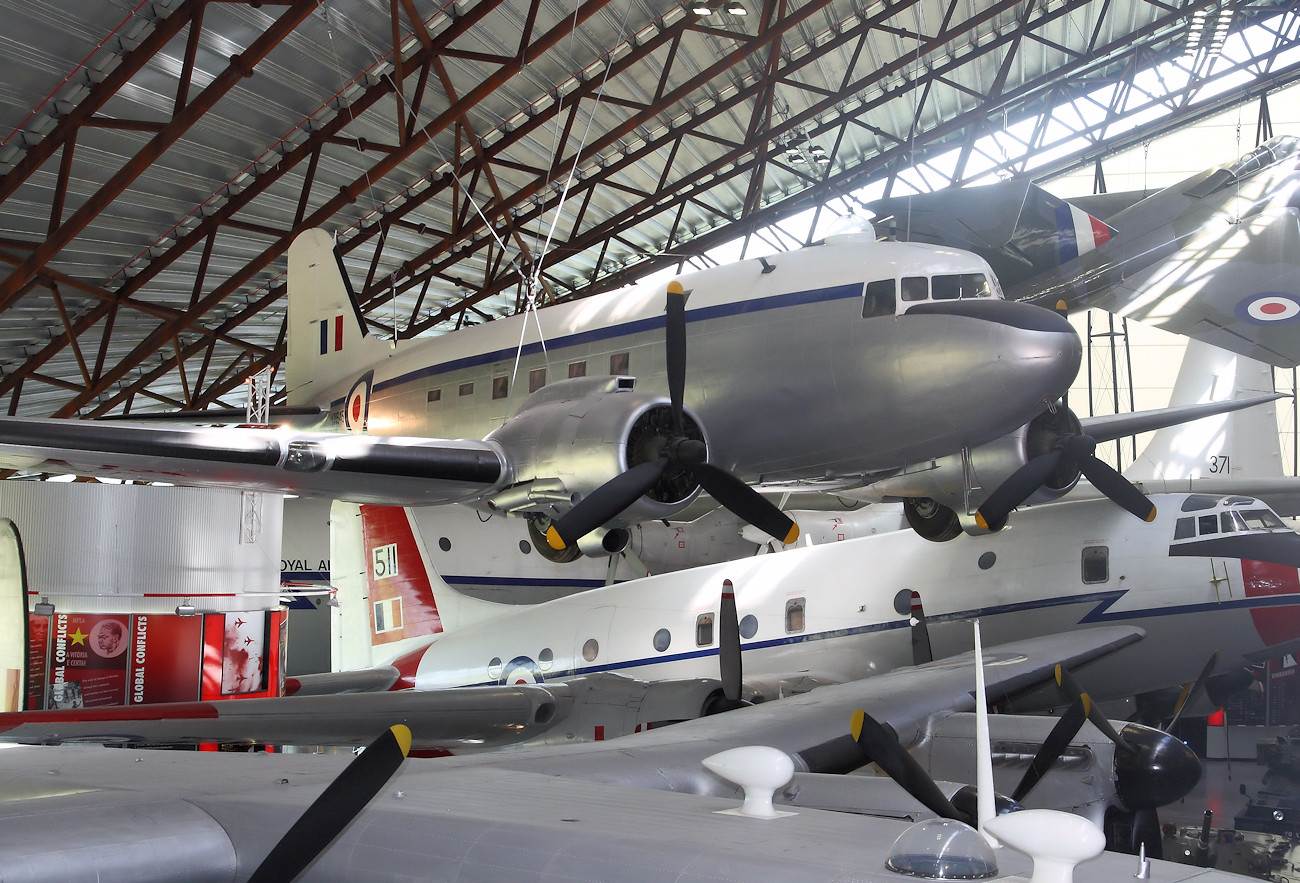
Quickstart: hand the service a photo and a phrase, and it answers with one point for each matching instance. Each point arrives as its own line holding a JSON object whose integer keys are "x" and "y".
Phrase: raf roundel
{"x": 1269, "y": 307}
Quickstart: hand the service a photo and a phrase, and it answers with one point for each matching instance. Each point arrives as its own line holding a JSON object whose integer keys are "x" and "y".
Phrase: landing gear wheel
{"x": 933, "y": 521}
{"x": 537, "y": 528}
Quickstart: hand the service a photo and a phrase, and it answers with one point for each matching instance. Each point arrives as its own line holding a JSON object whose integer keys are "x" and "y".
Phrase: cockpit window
{"x": 1199, "y": 501}
{"x": 1208, "y": 524}
{"x": 1185, "y": 528}
{"x": 916, "y": 288}
{"x": 1255, "y": 519}
{"x": 960, "y": 286}
{"x": 879, "y": 299}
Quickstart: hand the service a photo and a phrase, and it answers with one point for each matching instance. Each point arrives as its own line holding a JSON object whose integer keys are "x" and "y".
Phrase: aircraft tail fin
{"x": 388, "y": 591}
{"x": 327, "y": 339}
{"x": 1242, "y": 444}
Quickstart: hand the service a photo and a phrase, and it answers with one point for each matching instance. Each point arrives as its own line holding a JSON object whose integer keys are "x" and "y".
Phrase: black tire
{"x": 537, "y": 528}
{"x": 933, "y": 521}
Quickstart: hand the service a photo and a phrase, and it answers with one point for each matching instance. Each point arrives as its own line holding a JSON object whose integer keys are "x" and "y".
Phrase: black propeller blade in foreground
{"x": 881, "y": 743}
{"x": 676, "y": 451}
{"x": 337, "y": 805}
{"x": 1067, "y": 727}
{"x": 1073, "y": 451}
{"x": 1193, "y": 692}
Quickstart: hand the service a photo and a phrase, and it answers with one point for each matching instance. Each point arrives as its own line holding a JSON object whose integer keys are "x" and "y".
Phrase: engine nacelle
{"x": 571, "y": 437}
{"x": 935, "y": 495}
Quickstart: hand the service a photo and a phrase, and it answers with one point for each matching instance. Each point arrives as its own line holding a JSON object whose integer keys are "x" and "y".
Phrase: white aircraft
{"x": 1209, "y": 573}
{"x": 647, "y": 807}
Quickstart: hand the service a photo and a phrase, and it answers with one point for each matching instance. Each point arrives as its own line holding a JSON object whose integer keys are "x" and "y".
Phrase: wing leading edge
{"x": 363, "y": 469}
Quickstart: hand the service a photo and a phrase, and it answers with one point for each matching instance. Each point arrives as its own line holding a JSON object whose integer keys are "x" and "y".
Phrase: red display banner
{"x": 85, "y": 660}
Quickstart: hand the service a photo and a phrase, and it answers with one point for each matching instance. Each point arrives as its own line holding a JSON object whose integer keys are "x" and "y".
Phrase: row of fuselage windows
{"x": 619, "y": 364}
{"x": 881, "y": 298}
{"x": 794, "y": 624}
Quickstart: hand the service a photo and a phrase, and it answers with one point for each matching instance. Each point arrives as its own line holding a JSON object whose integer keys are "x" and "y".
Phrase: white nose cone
{"x": 1056, "y": 841}
{"x": 759, "y": 771}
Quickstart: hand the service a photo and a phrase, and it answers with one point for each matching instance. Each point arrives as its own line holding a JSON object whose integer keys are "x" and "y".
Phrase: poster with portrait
{"x": 88, "y": 660}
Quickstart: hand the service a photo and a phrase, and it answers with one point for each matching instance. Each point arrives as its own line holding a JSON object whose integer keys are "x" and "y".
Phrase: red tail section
{"x": 402, "y": 604}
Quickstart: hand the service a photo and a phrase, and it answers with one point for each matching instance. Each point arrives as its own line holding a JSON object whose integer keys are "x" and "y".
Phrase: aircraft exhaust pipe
{"x": 1159, "y": 771}
{"x": 602, "y": 543}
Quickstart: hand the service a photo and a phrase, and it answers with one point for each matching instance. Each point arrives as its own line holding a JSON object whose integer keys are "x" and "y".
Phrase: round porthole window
{"x": 903, "y": 602}
{"x": 525, "y": 547}
{"x": 987, "y": 560}
{"x": 546, "y": 659}
{"x": 749, "y": 626}
{"x": 444, "y": 544}
{"x": 591, "y": 650}
{"x": 494, "y": 668}
{"x": 662, "y": 639}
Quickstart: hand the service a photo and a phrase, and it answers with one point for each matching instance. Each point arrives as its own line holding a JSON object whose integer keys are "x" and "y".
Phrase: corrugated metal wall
{"x": 144, "y": 549}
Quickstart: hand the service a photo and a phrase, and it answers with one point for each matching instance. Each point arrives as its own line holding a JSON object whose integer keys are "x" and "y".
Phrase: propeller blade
{"x": 1015, "y": 490}
{"x": 1115, "y": 486}
{"x": 1192, "y": 693}
{"x": 729, "y": 644}
{"x": 1067, "y": 727}
{"x": 881, "y": 743}
{"x": 337, "y": 805}
{"x": 746, "y": 502}
{"x": 675, "y": 350}
{"x": 1070, "y": 687}
{"x": 921, "y": 651}
{"x": 604, "y": 503}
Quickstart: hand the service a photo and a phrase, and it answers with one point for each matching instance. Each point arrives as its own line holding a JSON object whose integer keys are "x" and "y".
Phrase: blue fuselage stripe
{"x": 627, "y": 329}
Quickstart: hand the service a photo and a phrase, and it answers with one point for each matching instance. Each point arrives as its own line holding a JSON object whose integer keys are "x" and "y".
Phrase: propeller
{"x": 882, "y": 746}
{"x": 673, "y": 449}
{"x": 730, "y": 671}
{"x": 1073, "y": 453}
{"x": 1193, "y": 691}
{"x": 1070, "y": 687}
{"x": 921, "y": 650}
{"x": 1067, "y": 727}
{"x": 330, "y": 813}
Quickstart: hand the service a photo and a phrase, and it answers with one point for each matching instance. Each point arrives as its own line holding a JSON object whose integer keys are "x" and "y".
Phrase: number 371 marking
{"x": 1219, "y": 465}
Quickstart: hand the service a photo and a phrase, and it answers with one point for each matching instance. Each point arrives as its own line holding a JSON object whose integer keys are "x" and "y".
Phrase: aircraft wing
{"x": 1109, "y": 427}
{"x": 465, "y": 717}
{"x": 393, "y": 471}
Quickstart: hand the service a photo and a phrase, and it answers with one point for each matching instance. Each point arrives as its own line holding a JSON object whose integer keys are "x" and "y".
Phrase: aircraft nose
{"x": 1040, "y": 349}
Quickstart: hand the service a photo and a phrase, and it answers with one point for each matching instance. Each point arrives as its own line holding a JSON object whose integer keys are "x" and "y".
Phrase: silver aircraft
{"x": 829, "y": 364}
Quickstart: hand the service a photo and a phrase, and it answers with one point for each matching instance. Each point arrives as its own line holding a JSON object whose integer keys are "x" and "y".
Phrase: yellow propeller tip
{"x": 554, "y": 540}
{"x": 855, "y": 724}
{"x": 1151, "y": 516}
{"x": 1087, "y": 704}
{"x": 792, "y": 535}
{"x": 1061, "y": 306}
{"x": 675, "y": 287}
{"x": 1056, "y": 673}
{"x": 980, "y": 522}
{"x": 402, "y": 734}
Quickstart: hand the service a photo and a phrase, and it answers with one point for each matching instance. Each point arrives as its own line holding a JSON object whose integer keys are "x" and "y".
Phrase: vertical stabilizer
{"x": 327, "y": 340}
{"x": 1243, "y": 444}
{"x": 387, "y": 589}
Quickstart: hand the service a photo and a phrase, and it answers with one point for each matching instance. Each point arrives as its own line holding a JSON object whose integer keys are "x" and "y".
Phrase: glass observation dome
{"x": 942, "y": 849}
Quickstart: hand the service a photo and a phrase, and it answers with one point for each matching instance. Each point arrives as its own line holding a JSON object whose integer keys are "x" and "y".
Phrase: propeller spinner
{"x": 673, "y": 447}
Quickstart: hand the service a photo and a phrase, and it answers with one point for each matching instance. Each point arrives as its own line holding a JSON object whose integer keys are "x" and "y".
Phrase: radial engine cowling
{"x": 569, "y": 438}
{"x": 935, "y": 495}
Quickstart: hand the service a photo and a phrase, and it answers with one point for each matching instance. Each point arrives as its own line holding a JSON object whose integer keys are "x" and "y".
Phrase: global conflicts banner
{"x": 84, "y": 660}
